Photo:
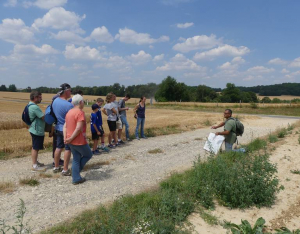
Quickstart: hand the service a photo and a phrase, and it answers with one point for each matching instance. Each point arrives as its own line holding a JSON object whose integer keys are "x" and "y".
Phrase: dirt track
{"x": 131, "y": 170}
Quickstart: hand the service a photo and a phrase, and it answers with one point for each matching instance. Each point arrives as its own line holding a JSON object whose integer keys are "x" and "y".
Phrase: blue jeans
{"x": 140, "y": 121}
{"x": 124, "y": 122}
{"x": 228, "y": 147}
{"x": 81, "y": 155}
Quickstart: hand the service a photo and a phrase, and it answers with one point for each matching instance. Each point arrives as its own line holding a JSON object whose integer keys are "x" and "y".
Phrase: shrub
{"x": 273, "y": 138}
{"x": 245, "y": 227}
{"x": 256, "y": 144}
{"x": 282, "y": 133}
{"x": 29, "y": 181}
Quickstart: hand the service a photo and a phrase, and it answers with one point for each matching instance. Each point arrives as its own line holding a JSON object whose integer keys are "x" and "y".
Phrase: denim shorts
{"x": 37, "y": 142}
{"x": 60, "y": 141}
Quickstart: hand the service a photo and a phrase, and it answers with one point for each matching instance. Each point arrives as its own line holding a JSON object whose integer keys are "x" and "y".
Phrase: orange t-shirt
{"x": 73, "y": 116}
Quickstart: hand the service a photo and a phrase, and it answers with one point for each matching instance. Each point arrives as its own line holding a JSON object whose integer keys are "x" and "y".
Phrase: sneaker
{"x": 38, "y": 169}
{"x": 105, "y": 149}
{"x": 121, "y": 142}
{"x": 111, "y": 146}
{"x": 118, "y": 144}
{"x": 40, "y": 164}
{"x": 128, "y": 139}
{"x": 57, "y": 170}
{"x": 61, "y": 163}
{"x": 66, "y": 173}
{"x": 80, "y": 181}
{"x": 96, "y": 152}
{"x": 112, "y": 141}
{"x": 144, "y": 137}
{"x": 137, "y": 138}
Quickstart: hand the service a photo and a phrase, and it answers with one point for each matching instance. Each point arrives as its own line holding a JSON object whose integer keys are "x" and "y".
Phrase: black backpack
{"x": 25, "y": 115}
{"x": 239, "y": 127}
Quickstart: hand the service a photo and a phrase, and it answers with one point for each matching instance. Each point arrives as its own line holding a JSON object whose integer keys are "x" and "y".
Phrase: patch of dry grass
{"x": 7, "y": 187}
{"x": 30, "y": 181}
{"x": 155, "y": 151}
{"x": 95, "y": 165}
{"x": 130, "y": 157}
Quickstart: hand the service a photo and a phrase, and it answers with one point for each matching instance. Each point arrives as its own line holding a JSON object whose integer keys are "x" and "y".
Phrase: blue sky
{"x": 97, "y": 42}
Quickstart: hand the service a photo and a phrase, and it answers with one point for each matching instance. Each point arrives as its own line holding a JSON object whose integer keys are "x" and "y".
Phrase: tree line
{"x": 169, "y": 90}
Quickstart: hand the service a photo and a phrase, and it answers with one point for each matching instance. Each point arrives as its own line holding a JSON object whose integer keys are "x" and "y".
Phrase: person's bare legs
{"x": 120, "y": 134}
{"x": 95, "y": 145}
{"x": 57, "y": 157}
{"x": 34, "y": 156}
{"x": 109, "y": 138}
{"x": 114, "y": 136}
{"x": 67, "y": 156}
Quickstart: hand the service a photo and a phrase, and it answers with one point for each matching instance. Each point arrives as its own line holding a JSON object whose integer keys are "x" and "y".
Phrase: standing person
{"x": 139, "y": 114}
{"x": 100, "y": 102}
{"x": 61, "y": 106}
{"x": 119, "y": 122}
{"x": 229, "y": 130}
{"x": 75, "y": 136}
{"x": 36, "y": 129}
{"x": 95, "y": 128}
{"x": 111, "y": 112}
{"x": 122, "y": 110}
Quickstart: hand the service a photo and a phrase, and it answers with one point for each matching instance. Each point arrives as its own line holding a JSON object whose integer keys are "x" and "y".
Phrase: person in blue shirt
{"x": 61, "y": 106}
{"x": 95, "y": 128}
{"x": 100, "y": 102}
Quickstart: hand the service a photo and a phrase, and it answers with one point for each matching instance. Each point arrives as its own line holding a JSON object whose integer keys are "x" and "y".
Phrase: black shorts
{"x": 112, "y": 125}
{"x": 60, "y": 141}
{"x": 95, "y": 136}
{"x": 37, "y": 142}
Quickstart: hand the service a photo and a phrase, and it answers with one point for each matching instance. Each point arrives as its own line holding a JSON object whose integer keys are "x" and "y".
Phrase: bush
{"x": 273, "y": 138}
{"x": 256, "y": 144}
{"x": 282, "y": 133}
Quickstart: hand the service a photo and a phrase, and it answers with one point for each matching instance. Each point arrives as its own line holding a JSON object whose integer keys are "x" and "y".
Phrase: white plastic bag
{"x": 214, "y": 143}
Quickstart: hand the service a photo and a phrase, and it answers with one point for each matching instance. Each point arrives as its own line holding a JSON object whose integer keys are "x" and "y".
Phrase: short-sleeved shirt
{"x": 60, "y": 109}
{"x": 110, "y": 115}
{"x": 99, "y": 117}
{"x": 230, "y": 125}
{"x": 95, "y": 120}
{"x": 38, "y": 125}
{"x": 72, "y": 118}
{"x": 122, "y": 105}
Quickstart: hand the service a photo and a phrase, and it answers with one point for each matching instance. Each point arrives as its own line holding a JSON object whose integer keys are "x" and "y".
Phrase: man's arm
{"x": 104, "y": 111}
{"x": 218, "y": 126}
{"x": 224, "y": 133}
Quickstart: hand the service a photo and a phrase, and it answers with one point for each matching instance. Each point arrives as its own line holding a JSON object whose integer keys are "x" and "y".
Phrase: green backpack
{"x": 239, "y": 127}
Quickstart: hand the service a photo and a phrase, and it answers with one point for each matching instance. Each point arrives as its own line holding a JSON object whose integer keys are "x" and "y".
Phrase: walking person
{"x": 75, "y": 136}
{"x": 139, "y": 114}
{"x": 95, "y": 129}
{"x": 229, "y": 130}
{"x": 122, "y": 111}
{"x": 111, "y": 112}
{"x": 61, "y": 106}
{"x": 100, "y": 102}
{"x": 36, "y": 129}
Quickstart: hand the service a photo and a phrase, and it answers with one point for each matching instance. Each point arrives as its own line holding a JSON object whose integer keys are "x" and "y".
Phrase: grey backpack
{"x": 239, "y": 127}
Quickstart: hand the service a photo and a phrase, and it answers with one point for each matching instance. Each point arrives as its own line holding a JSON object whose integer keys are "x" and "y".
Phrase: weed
{"x": 155, "y": 151}
{"x": 7, "y": 187}
{"x": 256, "y": 145}
{"x": 295, "y": 172}
{"x": 207, "y": 217}
{"x": 130, "y": 157}
{"x": 290, "y": 127}
{"x": 19, "y": 227}
{"x": 288, "y": 179}
{"x": 150, "y": 132}
{"x": 282, "y": 133}
{"x": 273, "y": 138}
{"x": 285, "y": 230}
{"x": 253, "y": 105}
{"x": 29, "y": 181}
{"x": 245, "y": 227}
{"x": 44, "y": 175}
{"x": 299, "y": 139}
{"x": 198, "y": 139}
{"x": 95, "y": 165}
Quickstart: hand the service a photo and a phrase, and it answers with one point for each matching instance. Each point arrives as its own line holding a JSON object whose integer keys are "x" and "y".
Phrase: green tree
{"x": 205, "y": 94}
{"x": 266, "y": 100}
{"x": 231, "y": 93}
{"x": 12, "y": 88}
{"x": 3, "y": 88}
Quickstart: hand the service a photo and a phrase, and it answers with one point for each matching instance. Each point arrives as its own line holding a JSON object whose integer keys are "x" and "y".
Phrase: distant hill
{"x": 274, "y": 90}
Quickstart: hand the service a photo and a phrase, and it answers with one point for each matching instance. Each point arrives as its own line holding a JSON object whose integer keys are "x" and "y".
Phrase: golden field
{"x": 282, "y": 97}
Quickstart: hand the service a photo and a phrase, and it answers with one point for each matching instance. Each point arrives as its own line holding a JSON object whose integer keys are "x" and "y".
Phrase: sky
{"x": 101, "y": 42}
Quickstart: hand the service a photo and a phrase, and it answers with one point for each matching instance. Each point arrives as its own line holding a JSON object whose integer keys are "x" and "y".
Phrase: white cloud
{"x": 284, "y": 70}
{"x": 201, "y": 75}
{"x": 132, "y": 37}
{"x": 260, "y": 69}
{"x": 185, "y": 25}
{"x": 81, "y": 53}
{"x": 32, "y": 49}
{"x": 101, "y": 34}
{"x": 58, "y": 18}
{"x": 233, "y": 65}
{"x": 158, "y": 57}
{"x": 10, "y": 3}
{"x": 112, "y": 62}
{"x": 225, "y": 50}
{"x": 15, "y": 31}
{"x": 197, "y": 42}
{"x": 238, "y": 60}
{"x": 295, "y": 63}
{"x": 69, "y": 37}
{"x": 75, "y": 66}
{"x": 45, "y": 4}
{"x": 140, "y": 58}
{"x": 277, "y": 61}
{"x": 180, "y": 62}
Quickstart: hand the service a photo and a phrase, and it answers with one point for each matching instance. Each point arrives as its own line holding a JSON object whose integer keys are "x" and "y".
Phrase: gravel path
{"x": 131, "y": 170}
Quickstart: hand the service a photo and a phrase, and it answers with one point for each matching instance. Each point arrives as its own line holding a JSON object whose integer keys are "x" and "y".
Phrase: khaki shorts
{"x": 119, "y": 124}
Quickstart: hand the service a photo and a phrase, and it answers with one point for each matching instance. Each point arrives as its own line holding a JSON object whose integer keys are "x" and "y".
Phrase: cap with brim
{"x": 95, "y": 106}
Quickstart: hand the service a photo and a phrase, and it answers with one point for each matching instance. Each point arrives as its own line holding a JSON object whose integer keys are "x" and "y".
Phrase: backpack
{"x": 50, "y": 117}
{"x": 239, "y": 127}
{"x": 25, "y": 115}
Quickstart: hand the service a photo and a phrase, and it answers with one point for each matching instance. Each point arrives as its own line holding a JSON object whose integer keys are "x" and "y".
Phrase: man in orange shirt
{"x": 75, "y": 137}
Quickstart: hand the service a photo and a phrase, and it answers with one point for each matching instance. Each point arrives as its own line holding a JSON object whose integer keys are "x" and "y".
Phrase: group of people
{"x": 69, "y": 132}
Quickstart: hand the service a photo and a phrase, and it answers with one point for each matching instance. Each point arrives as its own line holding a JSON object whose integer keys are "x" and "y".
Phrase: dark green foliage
{"x": 256, "y": 144}
{"x": 273, "y": 138}
{"x": 3, "y": 88}
{"x": 12, "y": 88}
{"x": 282, "y": 133}
{"x": 245, "y": 227}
